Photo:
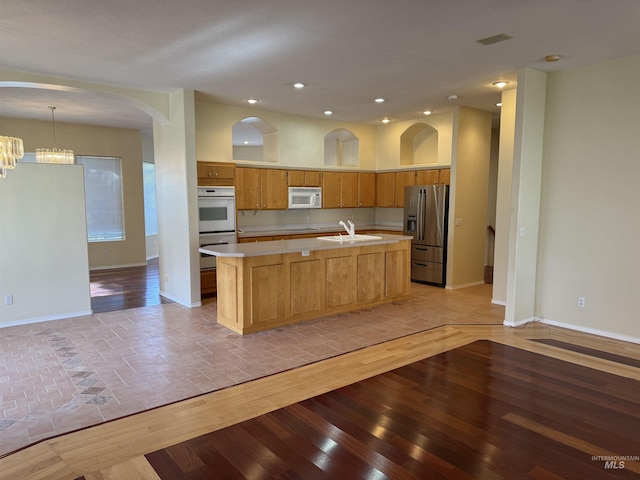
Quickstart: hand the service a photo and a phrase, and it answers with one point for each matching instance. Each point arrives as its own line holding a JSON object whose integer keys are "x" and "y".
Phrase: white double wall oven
{"x": 216, "y": 219}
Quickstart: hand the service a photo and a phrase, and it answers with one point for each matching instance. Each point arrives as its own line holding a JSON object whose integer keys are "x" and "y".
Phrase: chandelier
{"x": 11, "y": 149}
{"x": 54, "y": 155}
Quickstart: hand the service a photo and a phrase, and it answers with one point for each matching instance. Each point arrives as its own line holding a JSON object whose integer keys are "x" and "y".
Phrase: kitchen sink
{"x": 347, "y": 238}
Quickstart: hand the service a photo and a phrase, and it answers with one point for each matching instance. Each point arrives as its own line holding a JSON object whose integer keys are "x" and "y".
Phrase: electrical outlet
{"x": 8, "y": 299}
{"x": 581, "y": 302}
{"x": 106, "y": 253}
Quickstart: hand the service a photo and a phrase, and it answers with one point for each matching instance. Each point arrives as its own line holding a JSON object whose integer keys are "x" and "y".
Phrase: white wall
{"x": 590, "y": 210}
{"x": 43, "y": 244}
{"x": 176, "y": 183}
{"x": 503, "y": 197}
{"x": 525, "y": 196}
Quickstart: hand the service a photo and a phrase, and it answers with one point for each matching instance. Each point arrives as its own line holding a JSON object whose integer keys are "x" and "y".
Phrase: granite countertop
{"x": 302, "y": 245}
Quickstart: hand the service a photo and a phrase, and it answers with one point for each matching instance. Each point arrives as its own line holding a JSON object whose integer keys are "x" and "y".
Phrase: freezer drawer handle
{"x": 422, "y": 249}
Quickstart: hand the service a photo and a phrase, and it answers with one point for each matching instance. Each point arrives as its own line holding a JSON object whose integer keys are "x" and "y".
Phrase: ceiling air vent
{"x": 495, "y": 39}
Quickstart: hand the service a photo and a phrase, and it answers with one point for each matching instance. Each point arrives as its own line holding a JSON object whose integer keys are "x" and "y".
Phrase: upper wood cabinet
{"x": 339, "y": 189}
{"x": 261, "y": 189}
{"x": 427, "y": 177}
{"x": 304, "y": 178}
{"x": 390, "y": 187}
{"x": 212, "y": 173}
{"x": 366, "y": 189}
{"x": 444, "y": 176}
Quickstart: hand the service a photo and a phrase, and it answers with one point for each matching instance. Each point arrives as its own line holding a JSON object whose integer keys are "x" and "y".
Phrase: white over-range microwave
{"x": 305, "y": 197}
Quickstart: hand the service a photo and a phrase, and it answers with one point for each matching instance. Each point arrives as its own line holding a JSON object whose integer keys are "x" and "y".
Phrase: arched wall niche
{"x": 419, "y": 145}
{"x": 254, "y": 139}
{"x": 341, "y": 148}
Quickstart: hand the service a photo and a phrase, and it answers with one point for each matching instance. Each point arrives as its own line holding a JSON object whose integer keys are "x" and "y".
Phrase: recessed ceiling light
{"x": 500, "y": 84}
{"x": 252, "y": 100}
{"x": 298, "y": 85}
{"x": 328, "y": 112}
{"x": 427, "y": 112}
{"x": 379, "y": 100}
{"x": 385, "y": 120}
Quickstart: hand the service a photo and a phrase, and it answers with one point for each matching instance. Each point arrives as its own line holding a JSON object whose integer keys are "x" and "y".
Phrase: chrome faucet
{"x": 351, "y": 229}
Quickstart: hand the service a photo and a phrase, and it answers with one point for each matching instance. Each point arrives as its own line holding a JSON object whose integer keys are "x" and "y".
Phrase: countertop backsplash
{"x": 263, "y": 221}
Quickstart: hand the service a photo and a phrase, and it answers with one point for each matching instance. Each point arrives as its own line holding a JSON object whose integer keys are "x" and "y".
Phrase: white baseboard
{"x": 519, "y": 323}
{"x": 48, "y": 318}
{"x": 502, "y": 303}
{"x": 593, "y": 331}
{"x": 174, "y": 299}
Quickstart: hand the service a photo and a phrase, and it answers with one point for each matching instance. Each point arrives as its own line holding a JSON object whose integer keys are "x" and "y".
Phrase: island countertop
{"x": 275, "y": 247}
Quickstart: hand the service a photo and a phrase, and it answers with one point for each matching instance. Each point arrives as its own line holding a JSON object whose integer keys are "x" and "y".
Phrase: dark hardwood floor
{"x": 119, "y": 289}
{"x": 484, "y": 410}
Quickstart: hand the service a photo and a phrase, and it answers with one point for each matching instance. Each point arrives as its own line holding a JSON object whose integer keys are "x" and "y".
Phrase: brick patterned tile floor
{"x": 63, "y": 375}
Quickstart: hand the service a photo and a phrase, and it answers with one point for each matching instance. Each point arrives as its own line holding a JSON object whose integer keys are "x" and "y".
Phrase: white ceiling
{"x": 414, "y": 53}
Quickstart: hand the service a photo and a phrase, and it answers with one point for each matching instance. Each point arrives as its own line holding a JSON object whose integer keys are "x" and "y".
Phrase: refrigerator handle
{"x": 419, "y": 227}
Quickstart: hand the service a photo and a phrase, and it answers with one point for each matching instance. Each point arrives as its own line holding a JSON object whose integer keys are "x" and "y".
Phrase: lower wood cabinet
{"x": 208, "y": 282}
{"x": 340, "y": 281}
{"x": 371, "y": 276}
{"x": 259, "y": 293}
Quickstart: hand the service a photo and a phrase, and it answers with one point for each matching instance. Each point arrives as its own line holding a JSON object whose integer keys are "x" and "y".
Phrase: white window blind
{"x": 150, "y": 210}
{"x": 103, "y": 196}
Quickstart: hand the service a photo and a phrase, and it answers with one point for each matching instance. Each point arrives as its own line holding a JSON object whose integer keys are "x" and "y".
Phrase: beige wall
{"x": 300, "y": 139}
{"x": 43, "y": 244}
{"x": 468, "y": 197}
{"x": 590, "y": 208}
{"x": 389, "y": 137}
{"x": 98, "y": 141}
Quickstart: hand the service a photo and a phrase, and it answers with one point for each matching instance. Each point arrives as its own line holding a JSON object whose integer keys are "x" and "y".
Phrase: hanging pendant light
{"x": 54, "y": 155}
{"x": 11, "y": 149}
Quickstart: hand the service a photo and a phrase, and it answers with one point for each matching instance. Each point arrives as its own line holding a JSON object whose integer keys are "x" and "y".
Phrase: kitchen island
{"x": 269, "y": 284}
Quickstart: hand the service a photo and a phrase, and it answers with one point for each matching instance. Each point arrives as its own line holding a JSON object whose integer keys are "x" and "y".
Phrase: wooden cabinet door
{"x": 366, "y": 189}
{"x": 370, "y": 276}
{"x": 312, "y": 178}
{"x": 395, "y": 273}
{"x": 295, "y": 178}
{"x": 331, "y": 189}
{"x": 349, "y": 190}
{"x": 306, "y": 287}
{"x": 248, "y": 189}
{"x": 444, "y": 177}
{"x": 340, "y": 281}
{"x": 273, "y": 185}
{"x": 211, "y": 173}
{"x": 427, "y": 177}
{"x": 385, "y": 187}
{"x": 268, "y": 293}
{"x": 403, "y": 179}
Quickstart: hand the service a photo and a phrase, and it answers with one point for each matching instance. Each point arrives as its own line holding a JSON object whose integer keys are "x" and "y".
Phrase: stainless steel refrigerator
{"x": 426, "y": 210}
